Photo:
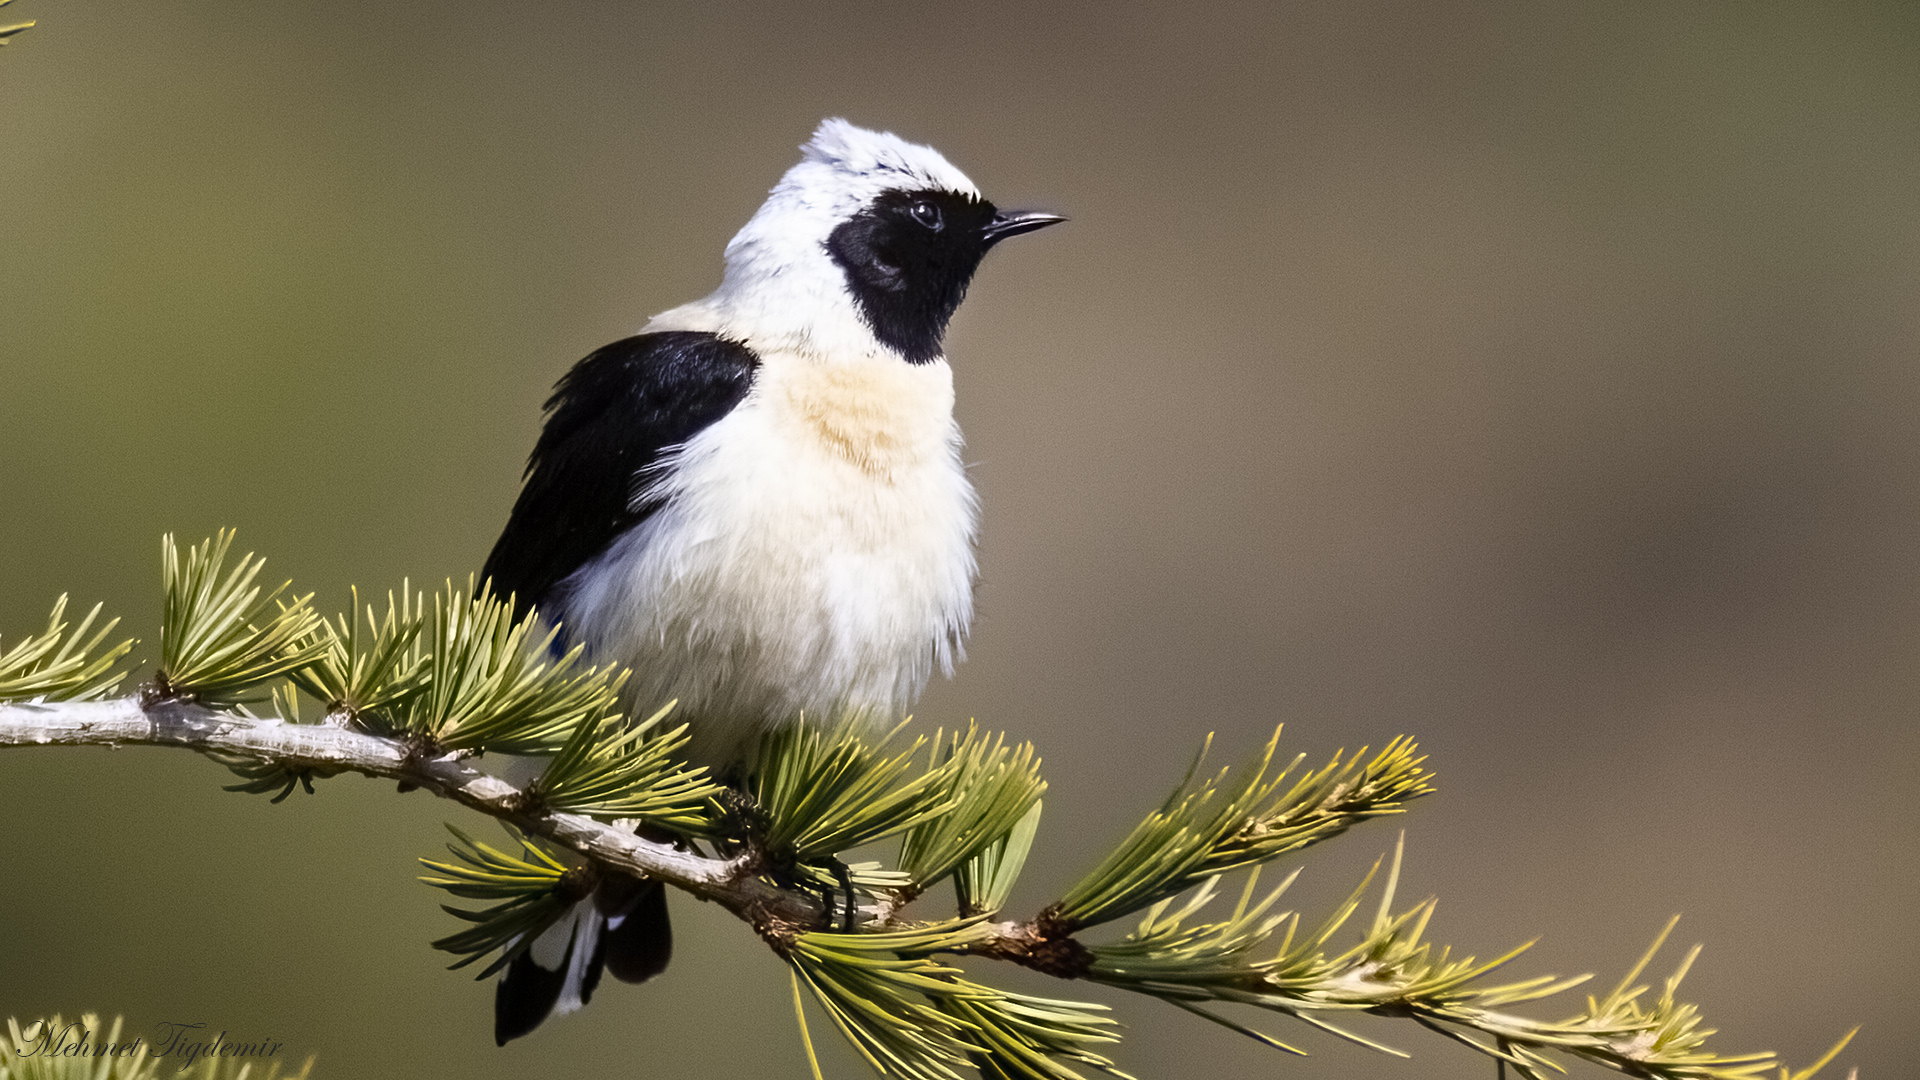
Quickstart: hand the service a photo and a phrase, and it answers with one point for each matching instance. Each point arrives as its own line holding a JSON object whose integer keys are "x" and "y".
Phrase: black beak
{"x": 1014, "y": 222}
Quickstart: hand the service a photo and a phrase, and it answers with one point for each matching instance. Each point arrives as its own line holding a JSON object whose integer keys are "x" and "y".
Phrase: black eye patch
{"x": 908, "y": 258}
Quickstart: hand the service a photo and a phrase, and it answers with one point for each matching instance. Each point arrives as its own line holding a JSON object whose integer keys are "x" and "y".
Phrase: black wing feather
{"x": 609, "y": 418}
{"x": 525, "y": 994}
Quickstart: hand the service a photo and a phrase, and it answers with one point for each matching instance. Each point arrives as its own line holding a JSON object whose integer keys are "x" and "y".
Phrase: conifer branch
{"x": 327, "y": 749}
{"x": 416, "y": 698}
{"x": 866, "y": 978}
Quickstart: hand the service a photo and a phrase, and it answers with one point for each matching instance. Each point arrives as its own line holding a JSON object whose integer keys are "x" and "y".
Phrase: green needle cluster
{"x": 533, "y": 890}
{"x": 606, "y": 772}
{"x": 62, "y": 666}
{"x": 1215, "y": 824}
{"x": 363, "y": 669}
{"x": 824, "y": 791}
{"x": 222, "y": 636}
{"x": 492, "y": 685}
{"x": 994, "y": 786}
{"x": 985, "y": 881}
{"x": 910, "y": 1015}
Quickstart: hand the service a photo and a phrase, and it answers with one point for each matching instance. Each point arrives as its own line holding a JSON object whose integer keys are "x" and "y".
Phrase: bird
{"x": 757, "y": 503}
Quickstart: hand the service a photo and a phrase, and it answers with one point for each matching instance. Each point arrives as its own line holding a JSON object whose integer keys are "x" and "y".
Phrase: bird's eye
{"x": 925, "y": 213}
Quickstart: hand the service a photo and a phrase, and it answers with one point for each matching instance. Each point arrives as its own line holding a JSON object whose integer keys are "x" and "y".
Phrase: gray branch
{"x": 730, "y": 883}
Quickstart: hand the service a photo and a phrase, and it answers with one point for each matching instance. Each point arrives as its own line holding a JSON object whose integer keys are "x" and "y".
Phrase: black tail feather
{"x": 525, "y": 995}
{"x": 639, "y": 945}
{"x": 631, "y": 937}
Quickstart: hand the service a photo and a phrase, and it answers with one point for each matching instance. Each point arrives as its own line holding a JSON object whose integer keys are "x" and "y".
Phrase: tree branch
{"x": 893, "y": 999}
{"x": 326, "y": 748}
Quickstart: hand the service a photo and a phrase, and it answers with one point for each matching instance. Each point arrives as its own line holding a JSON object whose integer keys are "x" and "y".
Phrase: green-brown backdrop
{"x": 1540, "y": 379}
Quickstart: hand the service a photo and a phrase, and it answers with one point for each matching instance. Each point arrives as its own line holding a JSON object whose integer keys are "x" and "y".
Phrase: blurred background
{"x": 1536, "y": 379}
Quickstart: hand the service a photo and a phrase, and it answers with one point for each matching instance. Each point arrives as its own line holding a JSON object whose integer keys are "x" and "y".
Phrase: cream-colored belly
{"x": 814, "y": 557}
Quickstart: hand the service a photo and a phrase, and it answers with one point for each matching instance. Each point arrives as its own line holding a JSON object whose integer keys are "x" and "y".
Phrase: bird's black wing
{"x": 609, "y": 418}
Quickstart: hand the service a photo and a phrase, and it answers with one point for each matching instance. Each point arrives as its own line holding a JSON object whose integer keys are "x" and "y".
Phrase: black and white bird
{"x": 757, "y": 503}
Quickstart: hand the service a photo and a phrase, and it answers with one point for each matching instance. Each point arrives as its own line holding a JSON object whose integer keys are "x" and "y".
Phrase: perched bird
{"x": 757, "y": 503}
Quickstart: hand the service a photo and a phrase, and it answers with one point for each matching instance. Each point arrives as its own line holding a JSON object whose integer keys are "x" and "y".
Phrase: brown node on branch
{"x": 779, "y": 933}
{"x": 158, "y": 690}
{"x": 1046, "y": 945}
{"x": 578, "y": 883}
{"x": 524, "y": 801}
{"x": 421, "y": 748}
{"x": 744, "y": 818}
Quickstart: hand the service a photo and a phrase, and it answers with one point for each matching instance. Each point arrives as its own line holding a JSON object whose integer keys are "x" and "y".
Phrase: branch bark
{"x": 730, "y": 883}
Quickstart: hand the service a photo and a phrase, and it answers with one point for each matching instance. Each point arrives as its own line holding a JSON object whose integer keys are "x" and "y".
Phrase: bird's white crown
{"x": 843, "y": 167}
{"x": 782, "y": 290}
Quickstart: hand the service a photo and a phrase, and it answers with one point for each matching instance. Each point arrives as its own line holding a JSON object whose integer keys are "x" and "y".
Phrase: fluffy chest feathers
{"x": 883, "y": 418}
{"x": 814, "y": 555}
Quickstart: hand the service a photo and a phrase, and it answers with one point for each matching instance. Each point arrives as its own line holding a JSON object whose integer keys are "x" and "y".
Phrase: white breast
{"x": 814, "y": 556}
